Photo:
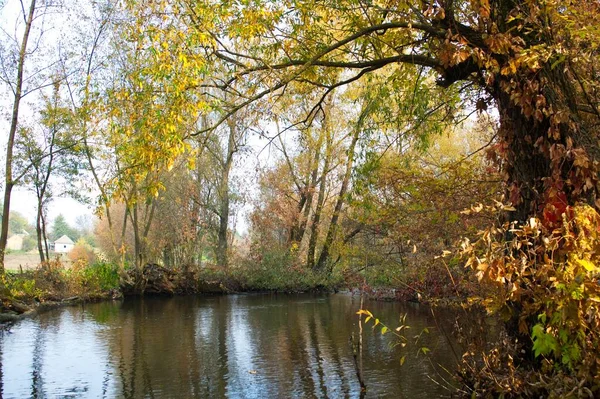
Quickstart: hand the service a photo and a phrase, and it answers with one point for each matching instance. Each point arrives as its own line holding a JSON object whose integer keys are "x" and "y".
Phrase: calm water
{"x": 239, "y": 346}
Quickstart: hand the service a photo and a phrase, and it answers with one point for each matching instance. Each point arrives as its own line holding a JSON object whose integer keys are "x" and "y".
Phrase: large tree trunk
{"x": 141, "y": 230}
{"x": 548, "y": 165}
{"x": 148, "y": 218}
{"x": 8, "y": 181}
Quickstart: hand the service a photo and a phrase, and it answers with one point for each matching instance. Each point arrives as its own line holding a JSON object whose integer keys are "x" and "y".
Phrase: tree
{"x": 43, "y": 152}
{"x": 60, "y": 227}
{"x": 221, "y": 152}
{"x": 18, "y": 224}
{"x": 17, "y": 89}
{"x": 84, "y": 86}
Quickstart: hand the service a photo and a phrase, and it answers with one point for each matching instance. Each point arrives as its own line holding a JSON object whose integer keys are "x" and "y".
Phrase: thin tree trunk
{"x": 339, "y": 203}
{"x": 121, "y": 250}
{"x": 38, "y": 231}
{"x": 198, "y": 248}
{"x": 314, "y": 165}
{"x": 294, "y": 228}
{"x": 136, "y": 237}
{"x": 45, "y": 235}
{"x": 41, "y": 193}
{"x": 223, "y": 245}
{"x": 8, "y": 182}
{"x": 316, "y": 220}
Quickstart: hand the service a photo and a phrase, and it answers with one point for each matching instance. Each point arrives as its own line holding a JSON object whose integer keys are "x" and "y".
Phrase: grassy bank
{"x": 54, "y": 282}
{"x": 57, "y": 282}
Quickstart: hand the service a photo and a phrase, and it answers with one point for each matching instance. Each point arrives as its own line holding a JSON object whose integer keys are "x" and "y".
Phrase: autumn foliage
{"x": 545, "y": 283}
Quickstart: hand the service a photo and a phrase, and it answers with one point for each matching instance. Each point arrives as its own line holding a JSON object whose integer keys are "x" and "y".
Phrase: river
{"x": 236, "y": 346}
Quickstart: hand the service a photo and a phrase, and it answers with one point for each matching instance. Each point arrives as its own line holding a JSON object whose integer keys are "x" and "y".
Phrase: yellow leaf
{"x": 589, "y": 266}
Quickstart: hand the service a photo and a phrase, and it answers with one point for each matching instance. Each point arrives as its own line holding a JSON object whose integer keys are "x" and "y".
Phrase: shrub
{"x": 544, "y": 278}
{"x": 275, "y": 270}
{"x": 82, "y": 252}
{"x": 104, "y": 276}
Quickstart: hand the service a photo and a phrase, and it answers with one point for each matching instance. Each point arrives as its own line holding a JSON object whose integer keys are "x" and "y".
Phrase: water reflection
{"x": 246, "y": 346}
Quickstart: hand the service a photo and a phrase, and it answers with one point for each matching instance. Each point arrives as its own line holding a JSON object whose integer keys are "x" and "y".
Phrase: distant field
{"x": 30, "y": 260}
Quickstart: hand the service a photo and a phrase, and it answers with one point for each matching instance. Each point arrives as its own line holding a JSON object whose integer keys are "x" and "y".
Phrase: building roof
{"x": 64, "y": 240}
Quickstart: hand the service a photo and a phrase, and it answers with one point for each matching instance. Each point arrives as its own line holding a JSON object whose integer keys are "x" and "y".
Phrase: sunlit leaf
{"x": 589, "y": 266}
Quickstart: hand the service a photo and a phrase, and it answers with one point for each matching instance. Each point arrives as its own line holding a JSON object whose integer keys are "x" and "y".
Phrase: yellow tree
{"x": 145, "y": 117}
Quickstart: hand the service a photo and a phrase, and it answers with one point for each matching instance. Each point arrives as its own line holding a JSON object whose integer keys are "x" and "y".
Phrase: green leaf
{"x": 543, "y": 343}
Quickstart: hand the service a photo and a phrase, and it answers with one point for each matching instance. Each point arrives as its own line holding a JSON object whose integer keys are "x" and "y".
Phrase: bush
{"x": 53, "y": 281}
{"x": 29, "y": 243}
{"x": 103, "y": 276}
{"x": 82, "y": 252}
{"x": 544, "y": 281}
{"x": 275, "y": 270}
{"x": 23, "y": 288}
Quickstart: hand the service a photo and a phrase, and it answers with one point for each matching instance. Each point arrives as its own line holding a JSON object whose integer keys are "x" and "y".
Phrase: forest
{"x": 439, "y": 151}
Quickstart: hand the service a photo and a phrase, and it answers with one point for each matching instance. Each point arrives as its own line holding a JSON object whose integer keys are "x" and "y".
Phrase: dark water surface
{"x": 238, "y": 346}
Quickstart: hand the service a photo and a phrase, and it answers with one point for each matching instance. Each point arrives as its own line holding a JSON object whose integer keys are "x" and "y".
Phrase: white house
{"x": 63, "y": 245}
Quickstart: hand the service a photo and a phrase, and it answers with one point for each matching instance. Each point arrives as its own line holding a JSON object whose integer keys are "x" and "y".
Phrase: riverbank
{"x": 53, "y": 284}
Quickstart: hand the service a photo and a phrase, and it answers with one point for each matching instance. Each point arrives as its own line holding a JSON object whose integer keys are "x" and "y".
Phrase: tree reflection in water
{"x": 223, "y": 346}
